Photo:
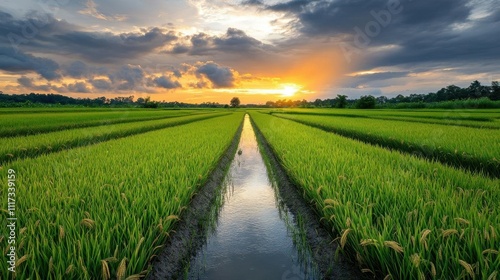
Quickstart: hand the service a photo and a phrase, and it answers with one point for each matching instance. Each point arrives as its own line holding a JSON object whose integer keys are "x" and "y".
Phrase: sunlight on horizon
{"x": 290, "y": 89}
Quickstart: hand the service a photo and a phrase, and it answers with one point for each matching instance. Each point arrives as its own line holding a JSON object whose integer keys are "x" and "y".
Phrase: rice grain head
{"x": 329, "y": 201}
{"x": 490, "y": 251}
{"x": 415, "y": 259}
{"x": 423, "y": 238}
{"x": 425, "y": 233}
{"x": 23, "y": 259}
{"x": 449, "y": 232}
{"x": 61, "y": 232}
{"x": 172, "y": 217}
{"x": 367, "y": 270}
{"x": 69, "y": 270}
{"x": 433, "y": 269}
{"x": 368, "y": 242}
{"x": 88, "y": 223}
{"x": 493, "y": 276}
{"x": 462, "y": 221}
{"x": 394, "y": 245}
{"x": 122, "y": 268}
{"x": 343, "y": 239}
{"x": 51, "y": 265}
{"x": 105, "y": 270}
{"x": 468, "y": 268}
{"x": 134, "y": 277}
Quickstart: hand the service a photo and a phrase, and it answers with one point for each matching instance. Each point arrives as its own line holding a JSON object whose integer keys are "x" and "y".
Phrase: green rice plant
{"x": 398, "y": 216}
{"x": 467, "y": 118}
{"x": 21, "y": 124}
{"x": 104, "y": 211}
{"x": 470, "y": 148}
{"x": 33, "y": 145}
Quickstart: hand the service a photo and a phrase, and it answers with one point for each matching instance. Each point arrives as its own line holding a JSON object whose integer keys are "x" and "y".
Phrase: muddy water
{"x": 253, "y": 236}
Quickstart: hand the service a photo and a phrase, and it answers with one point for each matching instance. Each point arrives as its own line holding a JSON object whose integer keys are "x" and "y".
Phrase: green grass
{"x": 34, "y": 145}
{"x": 396, "y": 215}
{"x": 470, "y": 148}
{"x": 23, "y": 124}
{"x": 109, "y": 207}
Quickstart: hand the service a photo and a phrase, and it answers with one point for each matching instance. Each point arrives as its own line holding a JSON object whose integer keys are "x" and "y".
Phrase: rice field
{"x": 455, "y": 145}
{"x": 103, "y": 211}
{"x": 405, "y": 194}
{"x": 396, "y": 215}
{"x": 24, "y": 123}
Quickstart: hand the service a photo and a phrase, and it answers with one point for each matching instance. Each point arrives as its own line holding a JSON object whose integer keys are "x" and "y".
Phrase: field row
{"x": 468, "y": 118}
{"x": 470, "y": 148}
{"x": 22, "y": 124}
{"x": 398, "y": 216}
{"x": 103, "y": 211}
{"x": 33, "y": 145}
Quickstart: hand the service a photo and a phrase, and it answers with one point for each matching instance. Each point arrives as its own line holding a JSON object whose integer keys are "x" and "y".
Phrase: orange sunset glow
{"x": 210, "y": 51}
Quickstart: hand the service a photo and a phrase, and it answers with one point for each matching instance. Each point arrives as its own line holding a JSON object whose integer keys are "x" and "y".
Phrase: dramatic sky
{"x": 199, "y": 50}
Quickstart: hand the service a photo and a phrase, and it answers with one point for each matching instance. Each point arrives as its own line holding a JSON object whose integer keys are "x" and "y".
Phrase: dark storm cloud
{"x": 477, "y": 44}
{"x": 45, "y": 34}
{"x": 422, "y": 31}
{"x": 166, "y": 82}
{"x": 233, "y": 41}
{"x": 237, "y": 40}
{"x": 101, "y": 84}
{"x": 30, "y": 84}
{"x": 128, "y": 77}
{"x": 337, "y": 17}
{"x": 19, "y": 62}
{"x": 80, "y": 87}
{"x": 109, "y": 47}
{"x": 220, "y": 76}
{"x": 77, "y": 69}
{"x": 295, "y": 6}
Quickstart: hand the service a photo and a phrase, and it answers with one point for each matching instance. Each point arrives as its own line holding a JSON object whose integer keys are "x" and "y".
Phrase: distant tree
{"x": 270, "y": 104}
{"x": 366, "y": 102}
{"x": 235, "y": 102}
{"x": 150, "y": 104}
{"x": 495, "y": 91}
{"x": 341, "y": 101}
{"x": 382, "y": 100}
{"x": 140, "y": 100}
{"x": 476, "y": 90}
{"x": 453, "y": 93}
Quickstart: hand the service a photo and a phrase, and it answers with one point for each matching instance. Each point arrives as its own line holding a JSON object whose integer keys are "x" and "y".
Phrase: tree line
{"x": 39, "y": 100}
{"x": 476, "y": 91}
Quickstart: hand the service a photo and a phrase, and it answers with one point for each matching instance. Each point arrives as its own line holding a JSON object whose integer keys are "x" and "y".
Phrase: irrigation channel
{"x": 254, "y": 231}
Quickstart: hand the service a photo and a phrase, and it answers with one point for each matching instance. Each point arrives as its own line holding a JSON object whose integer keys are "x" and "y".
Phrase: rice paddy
{"x": 398, "y": 216}
{"x": 404, "y": 194}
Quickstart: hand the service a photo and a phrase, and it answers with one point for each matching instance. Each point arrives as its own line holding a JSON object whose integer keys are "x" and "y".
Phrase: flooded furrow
{"x": 254, "y": 234}
{"x": 250, "y": 223}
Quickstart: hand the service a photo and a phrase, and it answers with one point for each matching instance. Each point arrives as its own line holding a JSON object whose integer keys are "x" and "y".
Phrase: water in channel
{"x": 253, "y": 236}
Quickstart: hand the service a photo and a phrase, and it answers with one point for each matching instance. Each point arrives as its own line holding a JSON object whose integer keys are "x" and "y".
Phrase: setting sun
{"x": 290, "y": 89}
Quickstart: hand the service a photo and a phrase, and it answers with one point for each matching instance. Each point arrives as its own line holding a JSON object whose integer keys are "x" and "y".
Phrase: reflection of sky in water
{"x": 250, "y": 241}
